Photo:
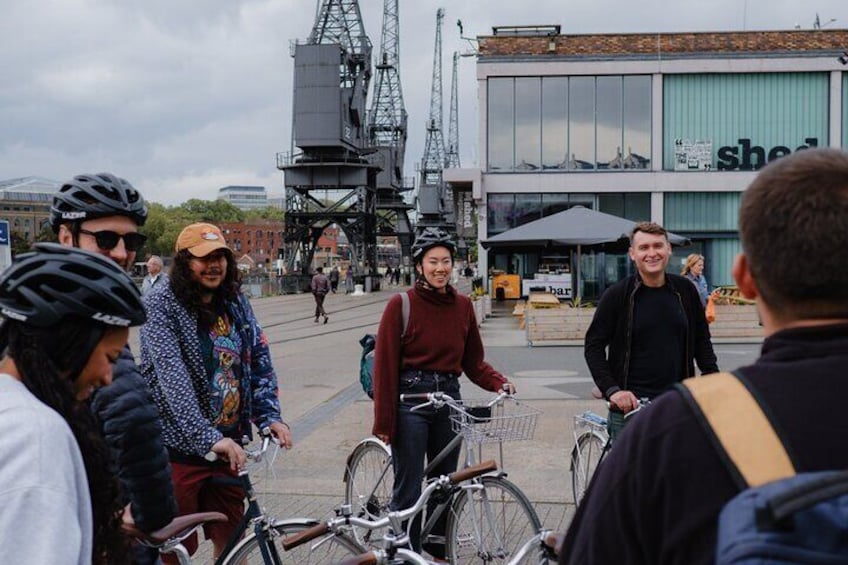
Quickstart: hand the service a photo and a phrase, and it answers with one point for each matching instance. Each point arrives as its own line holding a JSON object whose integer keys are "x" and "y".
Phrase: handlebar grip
{"x": 369, "y": 558}
{"x": 415, "y": 396}
{"x": 305, "y": 536}
{"x": 553, "y": 542}
{"x": 473, "y": 471}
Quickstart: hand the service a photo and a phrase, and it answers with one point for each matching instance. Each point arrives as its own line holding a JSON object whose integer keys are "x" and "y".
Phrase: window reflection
{"x": 528, "y": 207}
{"x": 581, "y": 131}
{"x": 499, "y": 212}
{"x": 609, "y": 154}
{"x": 528, "y": 124}
{"x": 637, "y": 122}
{"x": 554, "y": 122}
{"x": 501, "y": 103}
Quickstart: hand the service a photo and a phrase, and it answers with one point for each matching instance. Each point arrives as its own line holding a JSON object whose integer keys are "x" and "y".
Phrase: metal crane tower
{"x": 452, "y": 154}
{"x": 387, "y": 132}
{"x": 329, "y": 180}
{"x": 433, "y": 205}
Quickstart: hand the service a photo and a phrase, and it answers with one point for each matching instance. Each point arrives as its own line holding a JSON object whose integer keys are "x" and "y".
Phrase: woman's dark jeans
{"x": 425, "y": 431}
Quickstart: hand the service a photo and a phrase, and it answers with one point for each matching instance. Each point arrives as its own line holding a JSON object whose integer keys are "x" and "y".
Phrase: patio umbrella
{"x": 577, "y": 226}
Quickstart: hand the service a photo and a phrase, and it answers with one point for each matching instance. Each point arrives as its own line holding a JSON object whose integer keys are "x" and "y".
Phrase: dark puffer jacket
{"x": 130, "y": 423}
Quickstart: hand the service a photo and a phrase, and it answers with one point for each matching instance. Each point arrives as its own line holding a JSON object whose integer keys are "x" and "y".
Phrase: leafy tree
{"x": 267, "y": 213}
{"x": 212, "y": 211}
{"x": 19, "y": 243}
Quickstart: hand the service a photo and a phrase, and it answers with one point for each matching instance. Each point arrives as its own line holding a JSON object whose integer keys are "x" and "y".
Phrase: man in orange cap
{"x": 207, "y": 361}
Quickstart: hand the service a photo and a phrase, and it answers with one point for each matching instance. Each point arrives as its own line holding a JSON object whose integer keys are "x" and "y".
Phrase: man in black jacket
{"x": 102, "y": 213}
{"x": 653, "y": 326}
{"x": 657, "y": 497}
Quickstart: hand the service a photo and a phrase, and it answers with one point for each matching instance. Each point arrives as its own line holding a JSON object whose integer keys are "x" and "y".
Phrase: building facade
{"x": 666, "y": 127}
{"x": 244, "y": 197}
{"x": 260, "y": 240}
{"x": 25, "y": 204}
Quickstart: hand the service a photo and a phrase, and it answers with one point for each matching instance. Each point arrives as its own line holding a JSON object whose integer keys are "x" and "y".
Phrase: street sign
{"x": 5, "y": 245}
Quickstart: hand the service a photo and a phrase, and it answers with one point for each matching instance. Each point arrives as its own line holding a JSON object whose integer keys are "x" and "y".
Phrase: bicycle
{"x": 263, "y": 532}
{"x": 485, "y": 522}
{"x": 394, "y": 550}
{"x": 591, "y": 445}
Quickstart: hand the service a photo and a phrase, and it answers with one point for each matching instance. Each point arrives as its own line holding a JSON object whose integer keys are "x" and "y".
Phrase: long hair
{"x": 690, "y": 262}
{"x": 190, "y": 293}
{"x": 45, "y": 358}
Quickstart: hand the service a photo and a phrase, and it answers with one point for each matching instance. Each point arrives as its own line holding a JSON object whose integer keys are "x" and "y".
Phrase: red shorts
{"x": 194, "y": 493}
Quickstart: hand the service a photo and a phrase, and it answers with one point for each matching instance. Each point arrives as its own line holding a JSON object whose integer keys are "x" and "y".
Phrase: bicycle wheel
{"x": 368, "y": 485}
{"x": 585, "y": 458}
{"x": 326, "y": 550}
{"x": 489, "y": 524}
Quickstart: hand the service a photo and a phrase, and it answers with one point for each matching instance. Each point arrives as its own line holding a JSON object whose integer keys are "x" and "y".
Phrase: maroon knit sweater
{"x": 442, "y": 336}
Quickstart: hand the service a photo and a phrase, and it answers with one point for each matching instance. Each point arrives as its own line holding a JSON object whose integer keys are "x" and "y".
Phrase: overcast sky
{"x": 182, "y": 97}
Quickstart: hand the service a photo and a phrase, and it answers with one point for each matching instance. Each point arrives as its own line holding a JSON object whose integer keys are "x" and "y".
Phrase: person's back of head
{"x": 793, "y": 225}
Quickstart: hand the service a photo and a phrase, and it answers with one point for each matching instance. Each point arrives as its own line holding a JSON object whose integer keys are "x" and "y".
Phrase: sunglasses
{"x": 108, "y": 240}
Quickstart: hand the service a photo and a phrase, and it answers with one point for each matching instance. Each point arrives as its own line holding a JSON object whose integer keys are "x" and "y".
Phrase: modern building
{"x": 244, "y": 197}
{"x": 25, "y": 204}
{"x": 668, "y": 127}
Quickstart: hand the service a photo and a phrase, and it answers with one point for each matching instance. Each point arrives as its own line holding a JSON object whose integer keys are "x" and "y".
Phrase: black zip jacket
{"x": 612, "y": 326}
{"x": 132, "y": 429}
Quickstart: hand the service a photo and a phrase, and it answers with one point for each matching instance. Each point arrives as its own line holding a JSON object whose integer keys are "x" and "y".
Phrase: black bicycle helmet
{"x": 429, "y": 238}
{"x": 86, "y": 197}
{"x": 43, "y": 287}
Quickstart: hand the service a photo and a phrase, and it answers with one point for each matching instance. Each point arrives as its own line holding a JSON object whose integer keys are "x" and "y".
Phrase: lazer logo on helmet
{"x": 14, "y": 315}
{"x": 110, "y": 319}
{"x": 73, "y": 215}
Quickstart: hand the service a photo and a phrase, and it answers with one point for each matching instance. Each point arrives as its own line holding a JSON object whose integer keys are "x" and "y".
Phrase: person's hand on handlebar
{"x": 508, "y": 387}
{"x": 229, "y": 450}
{"x": 282, "y": 432}
{"x": 624, "y": 400}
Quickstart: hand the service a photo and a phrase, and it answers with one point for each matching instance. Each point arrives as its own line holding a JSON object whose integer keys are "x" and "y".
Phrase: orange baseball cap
{"x": 200, "y": 239}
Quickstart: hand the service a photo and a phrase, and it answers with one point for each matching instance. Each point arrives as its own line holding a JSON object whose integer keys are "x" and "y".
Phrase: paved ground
{"x": 318, "y": 366}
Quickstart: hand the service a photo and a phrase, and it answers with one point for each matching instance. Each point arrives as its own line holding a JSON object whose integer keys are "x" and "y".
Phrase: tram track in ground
{"x": 360, "y": 304}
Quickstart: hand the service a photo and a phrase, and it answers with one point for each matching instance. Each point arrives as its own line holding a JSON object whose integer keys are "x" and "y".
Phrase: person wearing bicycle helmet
{"x": 102, "y": 213}
{"x": 66, "y": 314}
{"x": 440, "y": 342}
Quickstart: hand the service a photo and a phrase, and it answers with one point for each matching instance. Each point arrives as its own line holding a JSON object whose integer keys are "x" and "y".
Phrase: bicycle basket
{"x": 508, "y": 421}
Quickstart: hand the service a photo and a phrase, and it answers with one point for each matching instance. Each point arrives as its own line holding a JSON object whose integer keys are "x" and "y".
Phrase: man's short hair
{"x": 793, "y": 225}
{"x": 648, "y": 227}
{"x": 319, "y": 269}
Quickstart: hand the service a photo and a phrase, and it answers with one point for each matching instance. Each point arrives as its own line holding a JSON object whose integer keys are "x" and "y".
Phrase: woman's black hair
{"x": 48, "y": 360}
{"x": 190, "y": 294}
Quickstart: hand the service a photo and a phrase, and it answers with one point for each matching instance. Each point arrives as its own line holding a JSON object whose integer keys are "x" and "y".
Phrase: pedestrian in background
{"x": 155, "y": 276}
{"x": 349, "y": 280}
{"x": 320, "y": 287}
{"x": 334, "y": 279}
{"x": 693, "y": 269}
{"x": 207, "y": 361}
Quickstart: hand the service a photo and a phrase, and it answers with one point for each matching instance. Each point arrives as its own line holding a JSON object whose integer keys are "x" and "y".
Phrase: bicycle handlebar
{"x": 401, "y": 515}
{"x": 252, "y": 454}
{"x": 439, "y": 399}
{"x": 369, "y": 558}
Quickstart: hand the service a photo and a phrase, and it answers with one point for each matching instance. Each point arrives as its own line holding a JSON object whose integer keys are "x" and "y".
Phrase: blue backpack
{"x": 369, "y": 342}
{"x": 779, "y": 517}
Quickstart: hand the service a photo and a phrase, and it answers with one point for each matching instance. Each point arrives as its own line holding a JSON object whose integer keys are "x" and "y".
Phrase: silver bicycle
{"x": 486, "y": 522}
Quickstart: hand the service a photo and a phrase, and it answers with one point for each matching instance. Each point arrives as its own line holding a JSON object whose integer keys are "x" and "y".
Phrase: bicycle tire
{"x": 327, "y": 550}
{"x": 368, "y": 486}
{"x": 511, "y": 521}
{"x": 585, "y": 458}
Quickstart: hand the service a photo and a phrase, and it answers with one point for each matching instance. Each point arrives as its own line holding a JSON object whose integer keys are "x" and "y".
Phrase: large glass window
{"x": 581, "y": 118}
{"x": 528, "y": 207}
{"x": 554, "y": 202}
{"x": 501, "y": 124}
{"x": 635, "y": 206}
{"x": 499, "y": 212}
{"x": 528, "y": 124}
{"x": 554, "y": 122}
{"x": 637, "y": 122}
{"x": 609, "y": 152}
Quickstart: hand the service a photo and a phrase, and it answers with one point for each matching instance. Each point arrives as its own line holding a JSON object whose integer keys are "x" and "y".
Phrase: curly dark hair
{"x": 190, "y": 293}
{"x": 42, "y": 356}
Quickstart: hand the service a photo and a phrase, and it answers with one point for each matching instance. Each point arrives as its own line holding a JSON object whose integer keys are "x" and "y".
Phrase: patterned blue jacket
{"x": 171, "y": 363}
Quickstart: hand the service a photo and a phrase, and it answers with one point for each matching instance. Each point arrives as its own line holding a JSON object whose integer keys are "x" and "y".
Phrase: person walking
{"x": 102, "y": 213}
{"x": 657, "y": 497}
{"x": 207, "y": 361}
{"x": 349, "y": 280}
{"x": 320, "y": 286}
{"x": 334, "y": 279}
{"x": 647, "y": 331}
{"x": 441, "y": 342}
{"x": 66, "y": 318}
{"x": 693, "y": 269}
{"x": 154, "y": 274}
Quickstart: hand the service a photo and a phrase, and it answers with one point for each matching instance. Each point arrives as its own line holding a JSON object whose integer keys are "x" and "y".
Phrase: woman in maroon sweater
{"x": 441, "y": 342}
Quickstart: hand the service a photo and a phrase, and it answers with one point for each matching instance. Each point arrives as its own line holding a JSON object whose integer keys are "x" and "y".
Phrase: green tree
{"x": 267, "y": 213}
{"x": 212, "y": 211}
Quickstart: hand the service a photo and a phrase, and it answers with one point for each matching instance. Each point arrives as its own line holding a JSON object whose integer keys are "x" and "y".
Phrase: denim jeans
{"x": 423, "y": 432}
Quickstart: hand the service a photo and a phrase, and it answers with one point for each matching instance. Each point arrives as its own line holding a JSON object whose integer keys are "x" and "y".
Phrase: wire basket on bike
{"x": 506, "y": 421}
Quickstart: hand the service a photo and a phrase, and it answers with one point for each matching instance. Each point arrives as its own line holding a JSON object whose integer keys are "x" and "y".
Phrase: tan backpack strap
{"x": 741, "y": 428}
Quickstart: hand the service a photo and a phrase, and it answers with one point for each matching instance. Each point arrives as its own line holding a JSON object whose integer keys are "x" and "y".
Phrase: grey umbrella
{"x": 576, "y": 226}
